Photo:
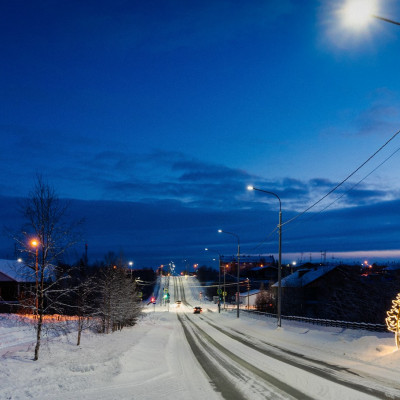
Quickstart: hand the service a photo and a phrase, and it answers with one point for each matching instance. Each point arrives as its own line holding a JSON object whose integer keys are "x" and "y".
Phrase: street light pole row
{"x": 219, "y": 280}
{"x": 238, "y": 267}
{"x": 279, "y": 307}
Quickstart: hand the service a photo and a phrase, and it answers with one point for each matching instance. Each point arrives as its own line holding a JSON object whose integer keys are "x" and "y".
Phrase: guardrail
{"x": 323, "y": 322}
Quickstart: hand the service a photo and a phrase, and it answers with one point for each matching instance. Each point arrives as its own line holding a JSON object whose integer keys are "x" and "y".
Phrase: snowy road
{"x": 173, "y": 353}
{"x": 258, "y": 370}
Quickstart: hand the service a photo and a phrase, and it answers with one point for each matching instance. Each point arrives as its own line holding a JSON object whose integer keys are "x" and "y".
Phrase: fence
{"x": 323, "y": 322}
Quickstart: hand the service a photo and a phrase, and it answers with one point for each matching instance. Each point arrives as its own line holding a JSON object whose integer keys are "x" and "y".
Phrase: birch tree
{"x": 45, "y": 238}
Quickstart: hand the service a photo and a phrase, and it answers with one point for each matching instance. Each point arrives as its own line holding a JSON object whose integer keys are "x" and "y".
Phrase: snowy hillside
{"x": 158, "y": 358}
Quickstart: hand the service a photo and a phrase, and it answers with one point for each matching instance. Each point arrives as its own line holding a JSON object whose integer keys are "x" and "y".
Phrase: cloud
{"x": 378, "y": 119}
{"x": 158, "y": 231}
{"x": 381, "y": 117}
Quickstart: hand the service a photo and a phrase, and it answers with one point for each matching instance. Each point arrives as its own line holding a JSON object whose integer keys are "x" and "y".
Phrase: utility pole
{"x": 248, "y": 294}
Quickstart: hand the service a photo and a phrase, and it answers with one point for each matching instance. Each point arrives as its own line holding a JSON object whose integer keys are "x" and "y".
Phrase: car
{"x": 197, "y": 310}
{"x": 178, "y": 303}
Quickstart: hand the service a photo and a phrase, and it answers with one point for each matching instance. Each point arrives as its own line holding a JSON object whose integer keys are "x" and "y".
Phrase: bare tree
{"x": 118, "y": 300}
{"x": 263, "y": 299}
{"x": 45, "y": 238}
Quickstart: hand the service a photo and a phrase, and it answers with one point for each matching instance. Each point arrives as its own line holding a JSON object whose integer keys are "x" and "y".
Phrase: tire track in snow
{"x": 319, "y": 368}
{"x": 214, "y": 372}
{"x": 282, "y": 389}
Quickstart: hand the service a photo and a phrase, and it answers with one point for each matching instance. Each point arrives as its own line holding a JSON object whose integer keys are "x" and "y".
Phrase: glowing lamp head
{"x": 357, "y": 13}
{"x": 219, "y": 230}
{"x": 250, "y": 187}
{"x": 34, "y": 243}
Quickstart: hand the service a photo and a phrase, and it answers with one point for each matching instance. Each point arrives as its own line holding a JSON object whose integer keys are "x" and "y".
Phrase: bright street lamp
{"x": 130, "y": 263}
{"x": 357, "y": 13}
{"x": 280, "y": 250}
{"x": 238, "y": 267}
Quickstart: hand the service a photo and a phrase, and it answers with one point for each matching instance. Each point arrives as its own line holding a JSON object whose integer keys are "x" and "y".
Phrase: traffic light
{"x": 153, "y": 299}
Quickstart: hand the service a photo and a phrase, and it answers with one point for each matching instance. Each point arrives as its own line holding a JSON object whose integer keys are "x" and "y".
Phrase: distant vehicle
{"x": 197, "y": 310}
{"x": 178, "y": 303}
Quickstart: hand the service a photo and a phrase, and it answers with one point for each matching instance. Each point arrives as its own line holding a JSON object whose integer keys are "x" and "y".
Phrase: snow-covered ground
{"x": 154, "y": 359}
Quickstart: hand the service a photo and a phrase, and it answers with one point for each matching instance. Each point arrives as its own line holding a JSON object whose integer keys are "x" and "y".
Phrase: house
{"x": 392, "y": 271}
{"x": 261, "y": 266}
{"x": 264, "y": 273}
{"x": 249, "y": 298}
{"x": 17, "y": 280}
{"x": 304, "y": 290}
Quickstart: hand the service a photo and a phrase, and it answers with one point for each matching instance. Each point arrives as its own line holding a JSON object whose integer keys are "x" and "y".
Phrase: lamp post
{"x": 238, "y": 266}
{"x": 248, "y": 294}
{"x": 35, "y": 244}
{"x": 224, "y": 290}
{"x": 280, "y": 250}
{"x": 219, "y": 278}
{"x": 130, "y": 265}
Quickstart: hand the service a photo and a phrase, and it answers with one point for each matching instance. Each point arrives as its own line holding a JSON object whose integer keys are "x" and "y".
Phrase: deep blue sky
{"x": 154, "y": 116}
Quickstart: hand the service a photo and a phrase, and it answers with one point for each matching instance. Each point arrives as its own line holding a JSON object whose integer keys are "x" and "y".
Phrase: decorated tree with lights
{"x": 393, "y": 319}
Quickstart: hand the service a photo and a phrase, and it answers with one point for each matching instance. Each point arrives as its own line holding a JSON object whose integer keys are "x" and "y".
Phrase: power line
{"x": 349, "y": 190}
{"x": 264, "y": 241}
{"x": 336, "y": 187}
{"x": 342, "y": 182}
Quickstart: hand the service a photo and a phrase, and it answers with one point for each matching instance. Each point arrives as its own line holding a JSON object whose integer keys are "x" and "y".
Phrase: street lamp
{"x": 238, "y": 266}
{"x": 35, "y": 244}
{"x": 219, "y": 277}
{"x": 130, "y": 265}
{"x": 357, "y": 13}
{"x": 280, "y": 250}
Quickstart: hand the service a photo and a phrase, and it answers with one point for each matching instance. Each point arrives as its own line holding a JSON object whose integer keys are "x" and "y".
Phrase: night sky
{"x": 152, "y": 117}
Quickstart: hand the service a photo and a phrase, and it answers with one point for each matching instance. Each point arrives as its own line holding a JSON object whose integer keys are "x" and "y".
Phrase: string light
{"x": 393, "y": 319}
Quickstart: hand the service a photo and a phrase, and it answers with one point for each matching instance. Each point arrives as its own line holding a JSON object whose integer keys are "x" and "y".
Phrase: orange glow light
{"x": 34, "y": 243}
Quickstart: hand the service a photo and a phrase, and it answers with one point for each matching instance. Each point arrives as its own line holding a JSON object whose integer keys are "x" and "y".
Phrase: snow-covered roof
{"x": 250, "y": 293}
{"x": 303, "y": 277}
{"x": 264, "y": 267}
{"x": 16, "y": 271}
{"x": 392, "y": 268}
